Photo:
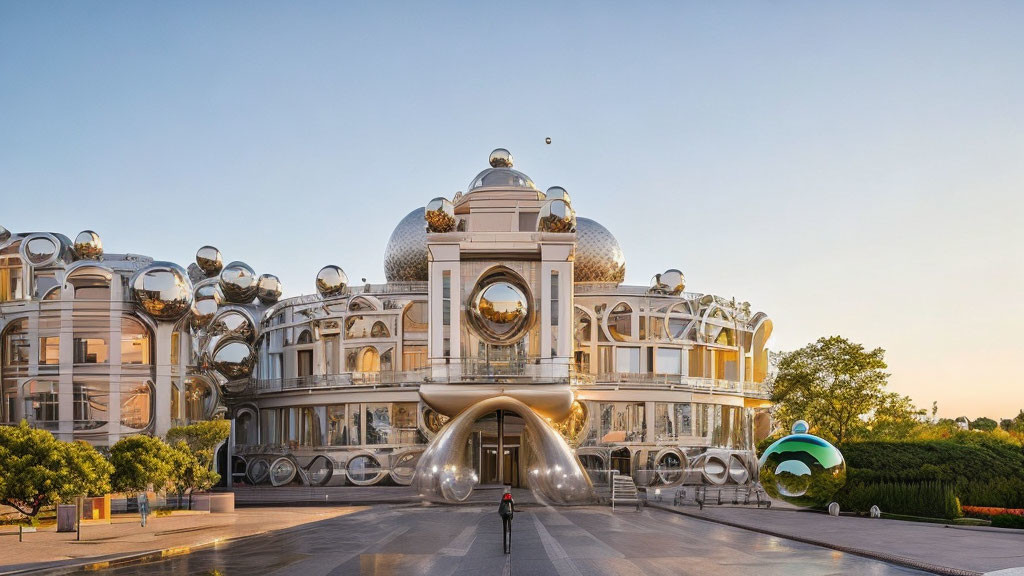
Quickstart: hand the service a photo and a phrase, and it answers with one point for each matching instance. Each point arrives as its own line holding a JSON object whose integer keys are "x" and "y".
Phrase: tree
{"x": 839, "y": 388}
{"x": 202, "y": 437}
{"x": 140, "y": 461}
{"x": 37, "y": 470}
{"x": 188, "y": 473}
{"x": 984, "y": 424}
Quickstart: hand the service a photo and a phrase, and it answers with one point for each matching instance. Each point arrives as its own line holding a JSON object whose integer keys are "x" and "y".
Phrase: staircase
{"x": 624, "y": 491}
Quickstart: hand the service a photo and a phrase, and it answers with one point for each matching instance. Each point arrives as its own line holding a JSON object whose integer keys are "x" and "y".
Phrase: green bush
{"x": 1008, "y": 521}
{"x": 928, "y": 499}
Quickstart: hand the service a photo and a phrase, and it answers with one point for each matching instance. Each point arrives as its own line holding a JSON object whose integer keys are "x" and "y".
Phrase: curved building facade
{"x": 503, "y": 349}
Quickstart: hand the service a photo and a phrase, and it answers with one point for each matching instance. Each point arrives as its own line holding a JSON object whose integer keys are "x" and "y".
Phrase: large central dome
{"x": 501, "y": 174}
{"x": 405, "y": 258}
{"x": 598, "y": 255}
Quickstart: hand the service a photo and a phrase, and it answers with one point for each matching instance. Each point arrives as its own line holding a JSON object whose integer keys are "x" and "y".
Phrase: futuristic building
{"x": 503, "y": 349}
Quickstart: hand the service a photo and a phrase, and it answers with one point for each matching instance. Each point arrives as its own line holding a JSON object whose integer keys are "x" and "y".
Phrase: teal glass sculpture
{"x": 802, "y": 469}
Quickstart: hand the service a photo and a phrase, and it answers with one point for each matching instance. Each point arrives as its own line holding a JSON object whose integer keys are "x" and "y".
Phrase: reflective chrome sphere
{"x": 556, "y": 216}
{"x": 672, "y": 281}
{"x": 5, "y": 234}
{"x": 88, "y": 245}
{"x": 598, "y": 255}
{"x": 440, "y": 215}
{"x": 547, "y": 140}
{"x": 234, "y": 360}
{"x": 163, "y": 290}
{"x": 558, "y": 193}
{"x": 209, "y": 290}
{"x": 203, "y": 312}
{"x": 331, "y": 281}
{"x": 803, "y": 470}
{"x": 209, "y": 260}
{"x": 268, "y": 289}
{"x": 501, "y": 158}
{"x": 234, "y": 325}
{"x": 405, "y": 258}
{"x": 800, "y": 427}
{"x": 500, "y": 308}
{"x": 238, "y": 282}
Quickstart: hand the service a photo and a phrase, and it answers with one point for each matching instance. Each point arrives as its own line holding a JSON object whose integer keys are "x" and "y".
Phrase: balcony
{"x": 672, "y": 382}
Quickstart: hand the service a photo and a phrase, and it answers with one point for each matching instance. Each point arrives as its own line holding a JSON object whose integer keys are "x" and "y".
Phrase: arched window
{"x": 12, "y": 281}
{"x": 305, "y": 338}
{"x": 414, "y": 319}
{"x": 135, "y": 342}
{"x": 90, "y": 283}
{"x": 379, "y": 330}
{"x": 16, "y": 343}
{"x": 136, "y": 404}
{"x": 620, "y": 322}
{"x": 198, "y": 400}
{"x": 369, "y": 360}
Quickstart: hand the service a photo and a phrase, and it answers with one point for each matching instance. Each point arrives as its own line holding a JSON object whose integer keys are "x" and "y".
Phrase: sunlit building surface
{"x": 503, "y": 349}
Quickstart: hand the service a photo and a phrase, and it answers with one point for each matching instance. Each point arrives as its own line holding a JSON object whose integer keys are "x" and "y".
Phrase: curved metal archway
{"x": 554, "y": 471}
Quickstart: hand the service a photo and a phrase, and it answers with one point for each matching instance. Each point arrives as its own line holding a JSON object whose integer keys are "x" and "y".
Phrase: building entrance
{"x": 499, "y": 454}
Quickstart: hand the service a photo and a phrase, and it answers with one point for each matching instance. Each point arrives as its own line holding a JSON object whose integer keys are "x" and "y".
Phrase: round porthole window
{"x": 500, "y": 309}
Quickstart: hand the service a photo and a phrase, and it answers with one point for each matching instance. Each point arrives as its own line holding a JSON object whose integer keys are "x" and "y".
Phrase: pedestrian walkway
{"x": 953, "y": 548}
{"x": 178, "y": 533}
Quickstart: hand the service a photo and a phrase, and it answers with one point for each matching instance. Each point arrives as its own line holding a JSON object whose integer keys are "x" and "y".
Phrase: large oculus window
{"x": 499, "y": 307}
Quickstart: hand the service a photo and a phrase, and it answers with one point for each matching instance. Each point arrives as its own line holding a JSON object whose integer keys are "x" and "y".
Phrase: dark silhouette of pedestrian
{"x": 506, "y": 509}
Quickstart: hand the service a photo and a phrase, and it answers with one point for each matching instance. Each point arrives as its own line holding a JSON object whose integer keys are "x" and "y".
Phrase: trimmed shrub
{"x": 1008, "y": 521}
{"x": 927, "y": 499}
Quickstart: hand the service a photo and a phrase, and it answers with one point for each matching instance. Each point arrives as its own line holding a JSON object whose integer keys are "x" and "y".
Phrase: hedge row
{"x": 928, "y": 499}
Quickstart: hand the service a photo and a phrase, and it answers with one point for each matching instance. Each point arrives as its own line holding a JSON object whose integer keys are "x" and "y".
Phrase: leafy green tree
{"x": 984, "y": 424}
{"x": 37, "y": 470}
{"x": 839, "y": 387}
{"x": 140, "y": 461}
{"x": 188, "y": 472}
{"x": 202, "y": 437}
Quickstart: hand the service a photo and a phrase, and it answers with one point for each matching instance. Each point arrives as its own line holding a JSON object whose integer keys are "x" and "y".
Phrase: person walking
{"x": 506, "y": 509}
{"x": 143, "y": 507}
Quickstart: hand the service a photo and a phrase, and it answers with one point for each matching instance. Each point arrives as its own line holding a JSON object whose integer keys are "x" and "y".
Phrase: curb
{"x": 888, "y": 558}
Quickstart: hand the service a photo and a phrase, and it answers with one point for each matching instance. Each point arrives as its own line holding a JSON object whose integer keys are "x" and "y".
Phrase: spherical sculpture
{"x": 800, "y": 427}
{"x": 499, "y": 309}
{"x": 203, "y": 312}
{"x": 803, "y": 470}
{"x": 501, "y": 158}
{"x": 405, "y": 258}
{"x": 234, "y": 360}
{"x": 209, "y": 290}
{"x": 440, "y": 215}
{"x": 672, "y": 281}
{"x": 268, "y": 289}
{"x": 598, "y": 255}
{"x": 331, "y": 281}
{"x": 163, "y": 290}
{"x": 209, "y": 260}
{"x": 558, "y": 193}
{"x": 88, "y": 245}
{"x": 556, "y": 216}
{"x": 238, "y": 283}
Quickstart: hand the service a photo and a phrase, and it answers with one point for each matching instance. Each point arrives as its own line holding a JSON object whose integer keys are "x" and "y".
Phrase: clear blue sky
{"x": 849, "y": 168}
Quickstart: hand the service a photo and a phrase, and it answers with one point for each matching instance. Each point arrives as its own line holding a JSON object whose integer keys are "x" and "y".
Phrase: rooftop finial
{"x": 501, "y": 158}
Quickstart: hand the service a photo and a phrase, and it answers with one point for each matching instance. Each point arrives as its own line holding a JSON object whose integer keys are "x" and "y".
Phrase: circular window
{"x": 40, "y": 249}
{"x": 500, "y": 308}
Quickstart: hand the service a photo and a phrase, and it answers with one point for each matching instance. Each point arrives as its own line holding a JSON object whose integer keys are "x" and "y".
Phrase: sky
{"x": 848, "y": 168}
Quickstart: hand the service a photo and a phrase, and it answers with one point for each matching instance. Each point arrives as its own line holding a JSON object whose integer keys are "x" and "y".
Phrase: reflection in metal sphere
{"x": 331, "y": 280}
{"x": 572, "y": 426}
{"x": 547, "y": 140}
{"x": 209, "y": 260}
{"x": 203, "y": 312}
{"x": 238, "y": 282}
{"x": 209, "y": 290}
{"x": 598, "y": 255}
{"x": 671, "y": 281}
{"x": 803, "y": 470}
{"x": 5, "y": 234}
{"x": 40, "y": 249}
{"x": 558, "y": 193}
{"x": 440, "y": 215}
{"x": 556, "y": 216}
{"x": 500, "y": 308}
{"x": 234, "y": 325}
{"x": 800, "y": 427}
{"x": 501, "y": 158}
{"x": 163, "y": 290}
{"x": 268, "y": 289}
{"x": 88, "y": 245}
{"x": 405, "y": 258}
{"x": 234, "y": 360}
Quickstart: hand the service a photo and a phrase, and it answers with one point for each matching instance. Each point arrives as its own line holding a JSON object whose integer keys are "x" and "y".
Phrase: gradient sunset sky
{"x": 848, "y": 168}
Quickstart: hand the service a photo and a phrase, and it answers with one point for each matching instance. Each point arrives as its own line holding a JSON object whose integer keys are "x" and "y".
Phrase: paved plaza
{"x": 560, "y": 542}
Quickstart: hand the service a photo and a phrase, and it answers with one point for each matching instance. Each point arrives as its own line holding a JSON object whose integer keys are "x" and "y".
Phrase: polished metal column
{"x": 501, "y": 447}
